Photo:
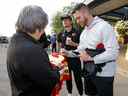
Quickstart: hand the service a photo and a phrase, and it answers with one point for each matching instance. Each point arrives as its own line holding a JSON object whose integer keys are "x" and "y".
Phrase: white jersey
{"x": 99, "y": 31}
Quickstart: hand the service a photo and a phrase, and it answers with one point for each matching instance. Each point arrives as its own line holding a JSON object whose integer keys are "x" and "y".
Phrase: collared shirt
{"x": 74, "y": 35}
{"x": 99, "y": 31}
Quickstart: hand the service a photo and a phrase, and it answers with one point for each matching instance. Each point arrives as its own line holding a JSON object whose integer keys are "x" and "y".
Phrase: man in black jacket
{"x": 70, "y": 40}
{"x": 28, "y": 65}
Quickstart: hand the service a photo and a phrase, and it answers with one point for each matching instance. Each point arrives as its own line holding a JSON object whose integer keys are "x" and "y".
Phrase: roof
{"x": 113, "y": 10}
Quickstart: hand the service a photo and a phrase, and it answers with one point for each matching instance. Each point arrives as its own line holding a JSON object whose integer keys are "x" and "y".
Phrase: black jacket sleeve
{"x": 44, "y": 41}
{"x": 38, "y": 68}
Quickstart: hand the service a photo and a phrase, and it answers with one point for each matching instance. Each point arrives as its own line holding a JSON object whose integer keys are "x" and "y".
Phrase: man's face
{"x": 81, "y": 16}
{"x": 67, "y": 23}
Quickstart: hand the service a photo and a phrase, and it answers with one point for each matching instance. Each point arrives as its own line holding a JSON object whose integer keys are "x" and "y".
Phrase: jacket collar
{"x": 96, "y": 20}
{"x": 28, "y": 37}
{"x": 72, "y": 30}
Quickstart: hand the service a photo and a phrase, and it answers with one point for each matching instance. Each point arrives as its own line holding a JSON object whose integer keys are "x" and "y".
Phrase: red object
{"x": 55, "y": 54}
{"x": 100, "y": 45}
{"x": 56, "y": 90}
{"x": 64, "y": 77}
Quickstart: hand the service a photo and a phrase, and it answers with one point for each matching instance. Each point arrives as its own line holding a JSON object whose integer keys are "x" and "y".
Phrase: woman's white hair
{"x": 31, "y": 18}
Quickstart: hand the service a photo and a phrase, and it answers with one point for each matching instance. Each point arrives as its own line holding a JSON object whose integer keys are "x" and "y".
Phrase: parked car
{"x": 4, "y": 39}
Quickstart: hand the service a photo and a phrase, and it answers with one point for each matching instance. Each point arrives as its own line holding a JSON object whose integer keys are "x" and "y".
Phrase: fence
{"x": 3, "y": 55}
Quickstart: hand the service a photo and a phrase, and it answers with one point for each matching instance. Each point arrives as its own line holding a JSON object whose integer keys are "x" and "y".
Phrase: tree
{"x": 68, "y": 10}
{"x": 56, "y": 23}
{"x": 122, "y": 29}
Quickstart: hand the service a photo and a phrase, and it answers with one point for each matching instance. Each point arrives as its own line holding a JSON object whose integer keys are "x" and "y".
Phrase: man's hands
{"x": 84, "y": 56}
{"x": 63, "y": 52}
{"x": 70, "y": 42}
{"x": 63, "y": 71}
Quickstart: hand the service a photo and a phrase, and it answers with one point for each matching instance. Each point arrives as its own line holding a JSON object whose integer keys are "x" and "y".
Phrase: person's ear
{"x": 38, "y": 33}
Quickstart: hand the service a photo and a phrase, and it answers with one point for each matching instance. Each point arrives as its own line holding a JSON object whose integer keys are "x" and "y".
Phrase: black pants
{"x": 54, "y": 47}
{"x": 74, "y": 65}
{"x": 100, "y": 86}
{"x": 89, "y": 86}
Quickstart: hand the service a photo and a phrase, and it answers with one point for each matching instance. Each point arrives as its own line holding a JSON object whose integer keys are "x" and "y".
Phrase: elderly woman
{"x": 28, "y": 65}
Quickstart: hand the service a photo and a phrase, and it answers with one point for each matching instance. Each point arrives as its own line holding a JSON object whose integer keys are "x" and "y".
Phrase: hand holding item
{"x": 70, "y": 42}
{"x": 63, "y": 52}
{"x": 84, "y": 56}
{"x": 64, "y": 71}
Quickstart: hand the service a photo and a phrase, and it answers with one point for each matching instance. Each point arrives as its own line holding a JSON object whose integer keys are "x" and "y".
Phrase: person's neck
{"x": 82, "y": 25}
{"x": 69, "y": 29}
{"x": 33, "y": 36}
{"x": 90, "y": 20}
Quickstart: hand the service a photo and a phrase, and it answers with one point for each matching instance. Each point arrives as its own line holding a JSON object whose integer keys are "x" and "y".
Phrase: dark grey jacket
{"x": 28, "y": 67}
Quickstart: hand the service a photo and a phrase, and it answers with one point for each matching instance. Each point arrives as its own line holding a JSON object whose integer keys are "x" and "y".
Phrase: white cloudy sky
{"x": 10, "y": 10}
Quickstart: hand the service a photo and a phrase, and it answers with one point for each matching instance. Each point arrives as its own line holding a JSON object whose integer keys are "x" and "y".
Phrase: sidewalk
{"x": 120, "y": 85}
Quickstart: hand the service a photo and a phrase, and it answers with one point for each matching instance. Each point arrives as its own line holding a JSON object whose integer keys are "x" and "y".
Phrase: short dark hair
{"x": 31, "y": 18}
{"x": 66, "y": 17}
{"x": 78, "y": 7}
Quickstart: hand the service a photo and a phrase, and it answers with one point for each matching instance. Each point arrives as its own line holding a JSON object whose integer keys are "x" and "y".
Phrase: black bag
{"x": 90, "y": 69}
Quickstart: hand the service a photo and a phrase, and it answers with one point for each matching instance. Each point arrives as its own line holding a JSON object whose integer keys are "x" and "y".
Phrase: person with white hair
{"x": 29, "y": 68}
